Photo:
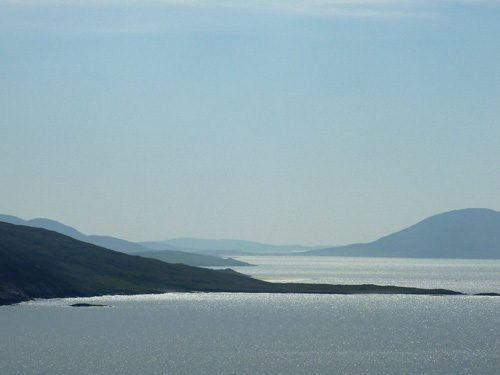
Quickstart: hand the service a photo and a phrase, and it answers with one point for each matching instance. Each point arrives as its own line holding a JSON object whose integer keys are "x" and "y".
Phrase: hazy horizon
{"x": 310, "y": 245}
{"x": 283, "y": 122}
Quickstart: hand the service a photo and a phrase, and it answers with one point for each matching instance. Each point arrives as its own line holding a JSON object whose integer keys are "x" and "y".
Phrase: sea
{"x": 268, "y": 334}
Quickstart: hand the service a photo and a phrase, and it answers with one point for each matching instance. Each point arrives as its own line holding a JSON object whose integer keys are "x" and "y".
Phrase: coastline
{"x": 282, "y": 288}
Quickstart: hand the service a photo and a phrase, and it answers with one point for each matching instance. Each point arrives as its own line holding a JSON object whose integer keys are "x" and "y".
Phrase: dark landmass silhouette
{"x": 87, "y": 305}
{"x": 168, "y": 253}
{"x": 38, "y": 263}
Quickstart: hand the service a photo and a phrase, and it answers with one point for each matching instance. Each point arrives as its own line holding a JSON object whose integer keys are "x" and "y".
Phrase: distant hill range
{"x": 461, "y": 234}
{"x": 168, "y": 253}
{"x": 39, "y": 263}
{"x": 198, "y": 260}
{"x": 228, "y": 247}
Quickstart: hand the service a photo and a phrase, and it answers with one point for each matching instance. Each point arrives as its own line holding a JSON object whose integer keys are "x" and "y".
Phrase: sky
{"x": 320, "y": 122}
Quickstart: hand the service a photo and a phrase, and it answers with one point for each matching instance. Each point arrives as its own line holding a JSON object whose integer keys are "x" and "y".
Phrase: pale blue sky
{"x": 313, "y": 122}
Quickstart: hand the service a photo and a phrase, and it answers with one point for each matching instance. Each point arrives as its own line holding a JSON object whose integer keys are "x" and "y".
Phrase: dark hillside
{"x": 168, "y": 254}
{"x": 37, "y": 263}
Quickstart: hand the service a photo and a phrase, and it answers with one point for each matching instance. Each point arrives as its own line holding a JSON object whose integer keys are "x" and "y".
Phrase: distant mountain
{"x": 12, "y": 219}
{"x": 38, "y": 263}
{"x": 169, "y": 253}
{"x": 45, "y": 224}
{"x": 57, "y": 227}
{"x": 461, "y": 234}
{"x": 226, "y": 246}
{"x": 171, "y": 256}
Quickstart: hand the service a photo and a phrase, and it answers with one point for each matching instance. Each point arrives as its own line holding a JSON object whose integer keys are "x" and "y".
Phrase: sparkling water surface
{"x": 225, "y": 333}
{"x": 463, "y": 275}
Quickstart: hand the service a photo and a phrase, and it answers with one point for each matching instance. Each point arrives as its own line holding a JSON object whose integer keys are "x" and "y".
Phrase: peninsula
{"x": 38, "y": 263}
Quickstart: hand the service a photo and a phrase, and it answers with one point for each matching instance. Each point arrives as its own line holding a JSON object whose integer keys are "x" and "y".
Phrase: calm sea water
{"x": 463, "y": 275}
{"x": 197, "y": 333}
